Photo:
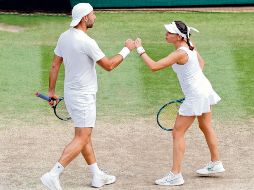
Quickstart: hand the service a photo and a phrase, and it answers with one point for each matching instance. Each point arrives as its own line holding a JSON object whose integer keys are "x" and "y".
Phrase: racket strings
{"x": 61, "y": 111}
{"x": 168, "y": 115}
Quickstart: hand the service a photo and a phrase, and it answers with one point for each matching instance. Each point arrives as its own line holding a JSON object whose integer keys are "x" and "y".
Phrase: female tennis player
{"x": 199, "y": 97}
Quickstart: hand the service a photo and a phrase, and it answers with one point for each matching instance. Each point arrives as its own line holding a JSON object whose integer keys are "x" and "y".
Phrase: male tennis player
{"x": 80, "y": 53}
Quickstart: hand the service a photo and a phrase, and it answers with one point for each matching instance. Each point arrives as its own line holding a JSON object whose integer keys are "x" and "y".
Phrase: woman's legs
{"x": 205, "y": 125}
{"x": 181, "y": 125}
{"x": 174, "y": 177}
{"x": 214, "y": 166}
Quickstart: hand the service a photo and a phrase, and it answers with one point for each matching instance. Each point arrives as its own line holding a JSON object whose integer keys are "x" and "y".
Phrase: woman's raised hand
{"x": 138, "y": 42}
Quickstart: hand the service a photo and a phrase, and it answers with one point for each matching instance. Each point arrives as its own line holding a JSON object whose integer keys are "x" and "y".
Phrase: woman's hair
{"x": 183, "y": 28}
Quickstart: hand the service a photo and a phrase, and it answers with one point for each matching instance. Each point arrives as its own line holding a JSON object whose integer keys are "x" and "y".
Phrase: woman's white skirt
{"x": 196, "y": 106}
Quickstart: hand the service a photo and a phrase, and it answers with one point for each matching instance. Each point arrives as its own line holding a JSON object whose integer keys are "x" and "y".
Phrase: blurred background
{"x": 64, "y": 6}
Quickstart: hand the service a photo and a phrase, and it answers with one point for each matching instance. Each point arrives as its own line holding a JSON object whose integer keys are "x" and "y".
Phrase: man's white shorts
{"x": 82, "y": 109}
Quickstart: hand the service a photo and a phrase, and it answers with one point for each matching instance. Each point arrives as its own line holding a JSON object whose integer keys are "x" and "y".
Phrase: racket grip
{"x": 44, "y": 97}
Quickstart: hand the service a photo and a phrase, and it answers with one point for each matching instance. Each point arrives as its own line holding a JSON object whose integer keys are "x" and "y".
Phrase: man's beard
{"x": 89, "y": 24}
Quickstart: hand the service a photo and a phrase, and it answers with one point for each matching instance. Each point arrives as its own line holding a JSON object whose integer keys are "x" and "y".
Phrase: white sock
{"x": 94, "y": 168}
{"x": 57, "y": 169}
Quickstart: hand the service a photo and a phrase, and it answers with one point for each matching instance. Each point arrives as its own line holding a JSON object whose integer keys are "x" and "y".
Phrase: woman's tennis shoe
{"x": 100, "y": 178}
{"x": 211, "y": 168}
{"x": 51, "y": 182}
{"x": 171, "y": 179}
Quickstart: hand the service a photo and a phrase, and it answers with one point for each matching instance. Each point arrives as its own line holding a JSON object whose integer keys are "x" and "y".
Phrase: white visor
{"x": 172, "y": 28}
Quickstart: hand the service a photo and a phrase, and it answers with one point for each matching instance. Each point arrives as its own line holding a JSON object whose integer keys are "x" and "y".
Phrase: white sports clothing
{"x": 80, "y": 54}
{"x": 198, "y": 91}
{"x": 82, "y": 109}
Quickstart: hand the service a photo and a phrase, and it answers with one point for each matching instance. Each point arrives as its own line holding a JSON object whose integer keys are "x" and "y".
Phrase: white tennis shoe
{"x": 101, "y": 178}
{"x": 171, "y": 179}
{"x": 211, "y": 168}
{"x": 51, "y": 182}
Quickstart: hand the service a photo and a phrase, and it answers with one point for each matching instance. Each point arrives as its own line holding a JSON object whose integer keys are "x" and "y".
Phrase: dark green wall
{"x": 65, "y": 5}
{"x": 160, "y": 3}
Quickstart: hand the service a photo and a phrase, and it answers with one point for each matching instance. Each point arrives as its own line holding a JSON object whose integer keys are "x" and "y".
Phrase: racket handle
{"x": 44, "y": 97}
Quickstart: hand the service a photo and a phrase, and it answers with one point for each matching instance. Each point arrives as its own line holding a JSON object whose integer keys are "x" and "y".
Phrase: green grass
{"x": 225, "y": 41}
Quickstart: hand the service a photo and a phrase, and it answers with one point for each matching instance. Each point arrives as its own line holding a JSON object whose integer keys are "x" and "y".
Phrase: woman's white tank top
{"x": 192, "y": 80}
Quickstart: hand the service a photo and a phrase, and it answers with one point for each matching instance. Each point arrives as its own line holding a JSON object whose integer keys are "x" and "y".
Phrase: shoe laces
{"x": 211, "y": 164}
{"x": 168, "y": 177}
{"x": 104, "y": 174}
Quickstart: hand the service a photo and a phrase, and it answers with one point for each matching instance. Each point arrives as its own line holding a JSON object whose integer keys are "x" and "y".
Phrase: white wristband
{"x": 141, "y": 50}
{"x": 124, "y": 52}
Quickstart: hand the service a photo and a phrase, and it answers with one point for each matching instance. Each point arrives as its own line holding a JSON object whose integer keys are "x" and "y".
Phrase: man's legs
{"x": 99, "y": 177}
{"x": 81, "y": 139}
{"x": 88, "y": 152}
{"x": 71, "y": 151}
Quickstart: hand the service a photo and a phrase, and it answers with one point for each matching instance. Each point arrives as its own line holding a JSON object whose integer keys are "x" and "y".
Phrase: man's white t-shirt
{"x": 80, "y": 54}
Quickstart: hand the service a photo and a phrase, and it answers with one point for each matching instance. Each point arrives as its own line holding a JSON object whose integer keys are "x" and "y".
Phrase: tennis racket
{"x": 59, "y": 107}
{"x": 167, "y": 114}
